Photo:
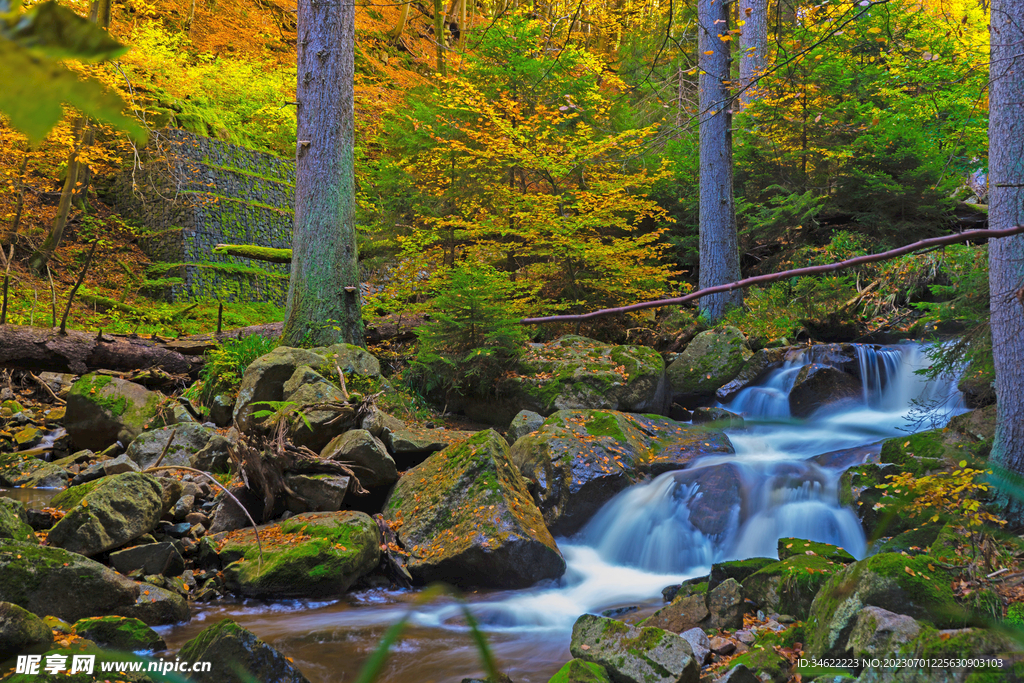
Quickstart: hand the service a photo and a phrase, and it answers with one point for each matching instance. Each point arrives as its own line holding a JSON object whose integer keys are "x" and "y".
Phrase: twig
{"x": 341, "y": 380}
{"x": 53, "y": 298}
{"x": 81, "y": 279}
{"x": 7, "y": 271}
{"x": 44, "y": 385}
{"x": 166, "y": 447}
{"x": 997, "y": 573}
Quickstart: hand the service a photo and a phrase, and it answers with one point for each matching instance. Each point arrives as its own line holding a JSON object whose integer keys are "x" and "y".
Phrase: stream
{"x": 638, "y": 543}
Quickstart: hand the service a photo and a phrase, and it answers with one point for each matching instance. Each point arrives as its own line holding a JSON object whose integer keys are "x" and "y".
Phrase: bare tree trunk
{"x": 753, "y": 46}
{"x": 402, "y": 19}
{"x": 323, "y": 292}
{"x": 1006, "y": 256}
{"x": 37, "y": 262}
{"x": 439, "y": 35}
{"x": 719, "y": 249}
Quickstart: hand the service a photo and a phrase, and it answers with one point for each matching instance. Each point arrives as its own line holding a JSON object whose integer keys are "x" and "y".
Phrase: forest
{"x": 572, "y": 341}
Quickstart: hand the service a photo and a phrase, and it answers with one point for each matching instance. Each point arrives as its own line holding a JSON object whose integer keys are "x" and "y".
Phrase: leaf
{"x": 34, "y": 89}
{"x": 909, "y": 571}
{"x": 57, "y": 32}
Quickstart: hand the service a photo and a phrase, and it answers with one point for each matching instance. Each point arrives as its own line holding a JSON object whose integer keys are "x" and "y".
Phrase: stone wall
{"x": 192, "y": 193}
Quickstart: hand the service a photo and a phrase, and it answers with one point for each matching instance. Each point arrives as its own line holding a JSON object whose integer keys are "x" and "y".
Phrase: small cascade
{"x": 880, "y": 368}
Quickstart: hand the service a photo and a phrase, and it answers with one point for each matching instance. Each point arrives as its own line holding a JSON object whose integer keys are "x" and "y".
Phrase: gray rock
{"x": 366, "y": 454}
{"x": 264, "y": 381}
{"x": 188, "y": 439}
{"x": 744, "y": 636}
{"x": 170, "y": 491}
{"x": 719, "y": 504}
{"x": 228, "y": 516}
{"x": 21, "y": 630}
{"x": 351, "y": 359}
{"x": 182, "y": 507}
{"x": 726, "y": 605}
{"x": 708, "y": 362}
{"x": 308, "y": 389}
{"x": 237, "y": 656}
{"x": 118, "y": 465}
{"x": 213, "y": 457}
{"x": 820, "y": 385}
{"x": 221, "y": 407}
{"x": 878, "y": 632}
{"x": 151, "y": 558}
{"x": 525, "y": 422}
{"x": 634, "y": 655}
{"x": 682, "y": 614}
{"x": 756, "y": 367}
{"x": 316, "y": 492}
{"x": 720, "y": 416}
{"x": 102, "y": 410}
{"x": 739, "y": 674}
{"x": 699, "y": 643}
{"x": 14, "y": 521}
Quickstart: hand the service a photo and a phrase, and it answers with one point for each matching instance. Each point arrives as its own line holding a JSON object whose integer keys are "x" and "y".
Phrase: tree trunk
{"x": 402, "y": 19}
{"x": 1006, "y": 256}
{"x": 439, "y": 37}
{"x": 719, "y": 249}
{"x": 37, "y": 262}
{"x": 323, "y": 292}
{"x": 753, "y": 46}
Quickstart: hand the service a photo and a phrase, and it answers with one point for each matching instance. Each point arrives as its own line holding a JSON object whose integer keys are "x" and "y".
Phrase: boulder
{"x": 699, "y": 643}
{"x": 186, "y": 440}
{"x": 712, "y": 359}
{"x": 21, "y": 631}
{"x": 634, "y": 655}
{"x": 118, "y": 465}
{"x": 580, "y": 459}
{"x": 525, "y": 422}
{"x": 315, "y": 492}
{"x": 119, "y": 633}
{"x": 351, "y": 359}
{"x": 793, "y": 547}
{"x": 818, "y": 385}
{"x": 757, "y": 366}
{"x": 739, "y": 674}
{"x": 56, "y": 582}
{"x": 114, "y": 511}
{"x": 849, "y": 457}
{"x": 789, "y": 586}
{"x": 932, "y": 650}
{"x": 102, "y": 410}
{"x": 726, "y": 606}
{"x": 914, "y": 586}
{"x": 213, "y": 457}
{"x": 878, "y": 632}
{"x": 684, "y": 613}
{"x": 366, "y": 454}
{"x": 574, "y": 372}
{"x": 237, "y": 656}
{"x": 14, "y": 521}
{"x": 718, "y": 416}
{"x": 150, "y": 558}
{"x": 308, "y": 389}
{"x": 465, "y": 517}
{"x": 714, "y": 498}
{"x": 264, "y": 380}
{"x": 26, "y": 469}
{"x": 579, "y": 671}
{"x": 311, "y": 555}
{"x": 737, "y": 569}
{"x": 228, "y": 516}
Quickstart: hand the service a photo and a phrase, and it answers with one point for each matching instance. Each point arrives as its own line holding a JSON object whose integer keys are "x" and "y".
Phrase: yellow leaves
{"x": 874, "y": 30}
{"x": 709, "y": 52}
{"x": 909, "y": 571}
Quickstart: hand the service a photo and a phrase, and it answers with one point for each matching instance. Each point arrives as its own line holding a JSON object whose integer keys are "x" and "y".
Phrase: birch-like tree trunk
{"x": 323, "y": 292}
{"x": 753, "y": 46}
{"x": 1006, "y": 256}
{"x": 719, "y": 250}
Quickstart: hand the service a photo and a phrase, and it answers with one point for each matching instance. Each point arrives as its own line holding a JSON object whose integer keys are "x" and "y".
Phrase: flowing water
{"x": 640, "y": 542}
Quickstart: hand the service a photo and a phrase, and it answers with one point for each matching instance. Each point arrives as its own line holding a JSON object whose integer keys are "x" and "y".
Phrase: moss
{"x": 643, "y": 642}
{"x": 763, "y": 660}
{"x": 579, "y": 671}
{"x": 603, "y": 424}
{"x": 121, "y": 633}
{"x": 788, "y": 547}
{"x": 91, "y": 387}
{"x": 70, "y": 497}
{"x": 611, "y": 626}
{"x": 914, "y": 541}
{"x": 919, "y": 453}
{"x": 793, "y": 582}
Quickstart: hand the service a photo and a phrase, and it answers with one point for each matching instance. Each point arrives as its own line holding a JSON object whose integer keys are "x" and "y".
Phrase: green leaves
{"x": 36, "y": 84}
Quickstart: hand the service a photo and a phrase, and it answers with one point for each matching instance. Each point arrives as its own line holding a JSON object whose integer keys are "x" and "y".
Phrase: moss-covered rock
{"x": 633, "y": 655}
{"x": 790, "y": 586}
{"x": 264, "y": 380}
{"x": 115, "y": 510}
{"x": 21, "y": 631}
{"x": 757, "y": 366}
{"x": 186, "y": 440}
{"x": 374, "y": 466}
{"x": 875, "y": 507}
{"x": 466, "y": 517}
{"x": 791, "y": 547}
{"x": 56, "y": 582}
{"x": 914, "y": 586}
{"x": 878, "y": 632}
{"x": 351, "y": 359}
{"x": 14, "y": 521}
{"x": 309, "y": 391}
{"x": 579, "y": 671}
{"x": 684, "y": 612}
{"x": 102, "y": 410}
{"x": 579, "y": 459}
{"x": 763, "y": 659}
{"x": 315, "y": 554}
{"x": 28, "y": 469}
{"x": 575, "y": 372}
{"x": 929, "y": 653}
{"x": 737, "y": 569}
{"x": 711, "y": 360}
{"x": 946, "y": 543}
{"x": 119, "y": 633}
{"x": 915, "y": 541}
{"x": 923, "y": 452}
{"x": 237, "y": 656}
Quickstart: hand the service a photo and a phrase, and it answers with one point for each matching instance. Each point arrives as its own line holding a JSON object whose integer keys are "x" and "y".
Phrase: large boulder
{"x": 310, "y": 555}
{"x": 102, "y": 410}
{"x": 119, "y": 633}
{"x": 366, "y": 454}
{"x": 878, "y": 632}
{"x": 186, "y": 439}
{"x": 315, "y": 492}
{"x": 466, "y": 518}
{"x": 579, "y": 459}
{"x": 66, "y": 585}
{"x": 112, "y": 512}
{"x": 20, "y": 630}
{"x": 819, "y": 385}
{"x": 14, "y": 521}
{"x": 634, "y": 655}
{"x": 27, "y": 469}
{"x": 688, "y": 610}
{"x": 352, "y": 360}
{"x": 264, "y": 380}
{"x": 914, "y": 586}
{"x": 575, "y": 372}
{"x": 714, "y": 498}
{"x": 237, "y": 655}
{"x": 932, "y": 657}
{"x": 711, "y": 360}
{"x": 789, "y": 586}
{"x": 310, "y": 391}
{"x": 757, "y": 366}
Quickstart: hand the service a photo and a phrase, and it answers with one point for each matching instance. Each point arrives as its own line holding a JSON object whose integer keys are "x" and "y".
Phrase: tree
{"x": 1006, "y": 256}
{"x": 323, "y": 292}
{"x": 753, "y": 46}
{"x": 719, "y": 250}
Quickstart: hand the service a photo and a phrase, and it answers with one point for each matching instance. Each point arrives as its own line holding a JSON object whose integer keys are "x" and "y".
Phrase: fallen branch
{"x": 762, "y": 279}
{"x": 251, "y": 251}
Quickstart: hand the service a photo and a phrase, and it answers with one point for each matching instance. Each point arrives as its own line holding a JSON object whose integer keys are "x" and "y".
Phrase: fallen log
{"x": 251, "y": 251}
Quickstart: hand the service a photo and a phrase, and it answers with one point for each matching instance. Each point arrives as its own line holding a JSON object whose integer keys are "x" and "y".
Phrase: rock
{"x": 151, "y": 558}
{"x": 119, "y": 633}
{"x": 699, "y": 643}
{"x": 188, "y": 439}
{"x": 118, "y": 465}
{"x": 739, "y": 674}
{"x": 789, "y": 586}
{"x": 895, "y": 582}
{"x": 946, "y": 542}
{"x": 213, "y": 457}
{"x": 69, "y": 586}
{"x": 315, "y": 492}
{"x": 102, "y": 410}
{"x": 849, "y": 457}
{"x": 367, "y": 455}
{"x": 917, "y": 541}
{"x": 858, "y": 489}
{"x": 351, "y": 359}
{"x": 634, "y": 655}
{"x": 114, "y": 511}
{"x": 410, "y": 444}
{"x": 579, "y": 671}
{"x": 771, "y": 667}
{"x": 923, "y": 452}
{"x": 182, "y": 507}
{"x": 577, "y": 373}
{"x": 26, "y": 438}
{"x": 525, "y": 422}
{"x": 737, "y": 569}
{"x": 237, "y": 656}
{"x": 756, "y": 367}
{"x": 465, "y": 517}
{"x": 308, "y": 389}
{"x": 221, "y": 408}
{"x": 171, "y": 491}
{"x": 264, "y": 380}
{"x": 744, "y": 636}
{"x": 792, "y": 547}
{"x": 721, "y": 646}
{"x": 20, "y": 631}
{"x": 25, "y": 470}
{"x": 932, "y": 651}
{"x": 580, "y": 459}
{"x": 711, "y": 360}
{"x": 228, "y": 516}
{"x": 668, "y": 593}
{"x": 716, "y": 505}
{"x": 878, "y": 632}
{"x": 14, "y": 521}
{"x": 311, "y": 555}
{"x": 726, "y": 605}
{"x": 718, "y": 416}
{"x": 683, "y": 614}
{"x": 819, "y": 385}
